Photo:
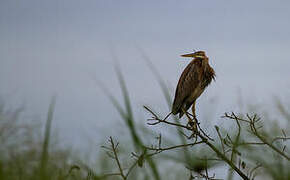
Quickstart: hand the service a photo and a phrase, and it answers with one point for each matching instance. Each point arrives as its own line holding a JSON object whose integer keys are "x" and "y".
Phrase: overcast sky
{"x": 61, "y": 46}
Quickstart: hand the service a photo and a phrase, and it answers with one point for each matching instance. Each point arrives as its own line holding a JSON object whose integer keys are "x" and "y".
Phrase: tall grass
{"x": 127, "y": 115}
{"x": 44, "y": 154}
{"x": 24, "y": 154}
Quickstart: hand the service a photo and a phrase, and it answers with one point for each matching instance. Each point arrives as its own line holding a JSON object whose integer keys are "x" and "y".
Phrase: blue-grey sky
{"x": 60, "y": 46}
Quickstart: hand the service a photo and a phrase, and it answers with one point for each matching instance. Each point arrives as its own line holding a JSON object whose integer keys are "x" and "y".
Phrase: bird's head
{"x": 197, "y": 54}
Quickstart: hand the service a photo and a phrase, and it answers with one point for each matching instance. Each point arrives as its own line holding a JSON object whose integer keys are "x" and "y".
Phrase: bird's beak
{"x": 194, "y": 55}
{"x": 189, "y": 55}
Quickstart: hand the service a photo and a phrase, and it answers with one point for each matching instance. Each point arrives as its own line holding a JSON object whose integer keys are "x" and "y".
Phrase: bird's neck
{"x": 204, "y": 63}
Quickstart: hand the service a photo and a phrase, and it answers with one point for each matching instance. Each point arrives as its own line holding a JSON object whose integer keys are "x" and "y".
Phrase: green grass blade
{"x": 129, "y": 119}
{"x": 127, "y": 115}
{"x": 44, "y": 154}
{"x": 130, "y": 122}
{"x": 168, "y": 99}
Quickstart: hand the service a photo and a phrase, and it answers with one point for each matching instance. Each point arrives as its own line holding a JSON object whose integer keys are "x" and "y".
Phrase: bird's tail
{"x": 181, "y": 114}
{"x": 175, "y": 110}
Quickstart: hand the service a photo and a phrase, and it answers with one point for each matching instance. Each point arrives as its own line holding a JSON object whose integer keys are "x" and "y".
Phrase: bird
{"x": 194, "y": 79}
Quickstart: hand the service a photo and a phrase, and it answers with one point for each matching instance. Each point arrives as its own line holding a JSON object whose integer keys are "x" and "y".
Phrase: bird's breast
{"x": 207, "y": 77}
{"x": 196, "y": 93}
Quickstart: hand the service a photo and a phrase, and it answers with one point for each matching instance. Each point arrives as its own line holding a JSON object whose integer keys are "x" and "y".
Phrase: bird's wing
{"x": 188, "y": 81}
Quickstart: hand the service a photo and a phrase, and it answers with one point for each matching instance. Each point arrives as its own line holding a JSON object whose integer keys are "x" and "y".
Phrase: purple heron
{"x": 194, "y": 79}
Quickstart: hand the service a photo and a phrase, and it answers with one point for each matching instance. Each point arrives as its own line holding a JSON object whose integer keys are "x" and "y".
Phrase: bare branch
{"x": 114, "y": 148}
{"x": 204, "y": 139}
{"x": 159, "y": 149}
{"x": 220, "y": 137}
{"x": 280, "y": 138}
{"x": 254, "y": 130}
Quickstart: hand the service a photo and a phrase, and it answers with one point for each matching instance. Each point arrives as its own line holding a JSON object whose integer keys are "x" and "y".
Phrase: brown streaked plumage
{"x": 194, "y": 79}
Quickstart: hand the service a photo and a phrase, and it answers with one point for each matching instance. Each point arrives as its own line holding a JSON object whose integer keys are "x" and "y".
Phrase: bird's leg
{"x": 193, "y": 110}
{"x": 191, "y": 123}
{"x": 194, "y": 116}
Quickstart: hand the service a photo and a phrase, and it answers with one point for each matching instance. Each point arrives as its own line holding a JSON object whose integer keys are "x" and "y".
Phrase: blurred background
{"x": 69, "y": 48}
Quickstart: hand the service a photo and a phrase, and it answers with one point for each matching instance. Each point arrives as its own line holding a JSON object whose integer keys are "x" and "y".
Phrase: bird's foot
{"x": 195, "y": 119}
{"x": 192, "y": 125}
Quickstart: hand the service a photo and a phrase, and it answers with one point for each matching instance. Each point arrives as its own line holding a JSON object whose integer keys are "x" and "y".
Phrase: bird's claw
{"x": 192, "y": 126}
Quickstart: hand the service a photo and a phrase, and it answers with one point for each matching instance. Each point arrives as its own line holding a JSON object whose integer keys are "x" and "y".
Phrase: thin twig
{"x": 250, "y": 143}
{"x": 173, "y": 147}
{"x": 114, "y": 149}
{"x": 271, "y": 146}
{"x": 254, "y": 130}
{"x": 131, "y": 168}
{"x": 223, "y": 157}
{"x": 204, "y": 140}
{"x": 220, "y": 137}
{"x": 280, "y": 138}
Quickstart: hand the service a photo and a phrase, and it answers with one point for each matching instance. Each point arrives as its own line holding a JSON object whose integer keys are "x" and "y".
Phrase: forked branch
{"x": 204, "y": 139}
{"x": 252, "y": 121}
